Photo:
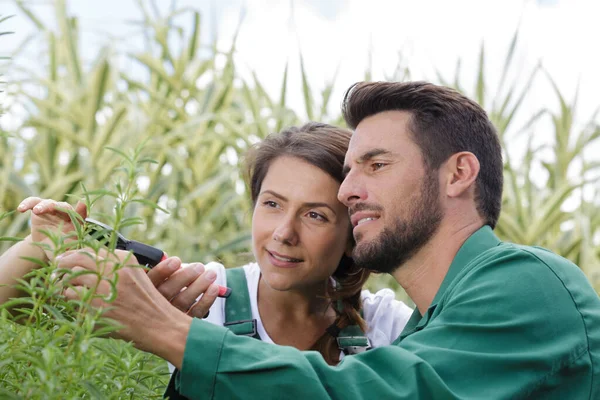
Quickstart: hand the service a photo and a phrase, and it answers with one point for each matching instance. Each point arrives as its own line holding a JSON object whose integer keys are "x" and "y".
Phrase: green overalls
{"x": 238, "y": 316}
{"x": 238, "y": 319}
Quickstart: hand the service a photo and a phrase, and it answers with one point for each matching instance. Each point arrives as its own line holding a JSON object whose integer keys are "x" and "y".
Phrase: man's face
{"x": 393, "y": 199}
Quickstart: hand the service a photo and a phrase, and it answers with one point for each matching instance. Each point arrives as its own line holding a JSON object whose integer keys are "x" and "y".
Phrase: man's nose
{"x": 285, "y": 232}
{"x": 351, "y": 190}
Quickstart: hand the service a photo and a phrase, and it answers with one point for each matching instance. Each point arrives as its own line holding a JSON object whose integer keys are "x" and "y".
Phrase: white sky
{"x": 336, "y": 35}
{"x": 429, "y": 34}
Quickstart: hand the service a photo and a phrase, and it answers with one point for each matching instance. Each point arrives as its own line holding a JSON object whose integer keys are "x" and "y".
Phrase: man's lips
{"x": 361, "y": 217}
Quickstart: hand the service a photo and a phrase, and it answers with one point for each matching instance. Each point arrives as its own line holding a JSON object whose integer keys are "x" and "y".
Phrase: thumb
{"x": 163, "y": 270}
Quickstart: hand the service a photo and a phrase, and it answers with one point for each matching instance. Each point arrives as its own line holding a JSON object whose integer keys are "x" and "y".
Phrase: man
{"x": 423, "y": 187}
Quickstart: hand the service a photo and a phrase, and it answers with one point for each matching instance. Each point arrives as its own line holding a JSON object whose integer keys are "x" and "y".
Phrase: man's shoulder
{"x": 526, "y": 261}
{"x": 530, "y": 290}
{"x": 528, "y": 277}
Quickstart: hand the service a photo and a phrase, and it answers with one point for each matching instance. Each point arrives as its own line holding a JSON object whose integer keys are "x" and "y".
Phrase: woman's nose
{"x": 286, "y": 233}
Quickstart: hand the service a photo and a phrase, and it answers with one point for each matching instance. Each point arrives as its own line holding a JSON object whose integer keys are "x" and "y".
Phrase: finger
{"x": 85, "y": 258}
{"x": 74, "y": 292}
{"x": 81, "y": 209}
{"x": 202, "y": 306}
{"x": 180, "y": 280}
{"x": 163, "y": 270}
{"x": 60, "y": 275}
{"x": 100, "y": 252}
{"x": 28, "y": 204}
{"x": 81, "y": 277}
{"x": 189, "y": 296}
{"x": 124, "y": 256}
{"x": 50, "y": 206}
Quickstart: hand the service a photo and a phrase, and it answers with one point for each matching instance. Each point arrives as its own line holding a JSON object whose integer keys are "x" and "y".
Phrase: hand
{"x": 46, "y": 216}
{"x": 190, "y": 289}
{"x": 146, "y": 316}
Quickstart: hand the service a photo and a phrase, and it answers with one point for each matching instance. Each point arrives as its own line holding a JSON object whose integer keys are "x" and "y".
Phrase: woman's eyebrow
{"x": 318, "y": 205}
{"x": 310, "y": 204}
{"x": 272, "y": 193}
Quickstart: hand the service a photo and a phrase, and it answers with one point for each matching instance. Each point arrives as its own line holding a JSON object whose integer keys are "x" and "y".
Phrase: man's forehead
{"x": 367, "y": 142}
{"x": 385, "y": 133}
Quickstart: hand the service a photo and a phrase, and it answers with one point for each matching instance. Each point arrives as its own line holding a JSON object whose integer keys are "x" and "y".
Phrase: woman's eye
{"x": 270, "y": 203}
{"x": 317, "y": 216}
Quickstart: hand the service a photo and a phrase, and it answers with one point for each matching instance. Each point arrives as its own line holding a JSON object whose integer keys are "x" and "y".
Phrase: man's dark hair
{"x": 443, "y": 122}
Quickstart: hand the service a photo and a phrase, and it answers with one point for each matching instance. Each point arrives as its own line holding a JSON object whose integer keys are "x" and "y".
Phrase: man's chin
{"x": 365, "y": 237}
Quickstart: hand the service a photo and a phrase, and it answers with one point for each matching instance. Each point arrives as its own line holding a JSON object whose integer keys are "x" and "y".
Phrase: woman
{"x": 304, "y": 290}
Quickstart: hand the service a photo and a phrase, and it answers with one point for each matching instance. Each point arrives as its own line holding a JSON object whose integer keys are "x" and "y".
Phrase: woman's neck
{"x": 295, "y": 317}
{"x": 308, "y": 302}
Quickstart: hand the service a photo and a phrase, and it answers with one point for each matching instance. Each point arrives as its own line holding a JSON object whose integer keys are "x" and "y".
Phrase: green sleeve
{"x": 220, "y": 365}
{"x": 489, "y": 337}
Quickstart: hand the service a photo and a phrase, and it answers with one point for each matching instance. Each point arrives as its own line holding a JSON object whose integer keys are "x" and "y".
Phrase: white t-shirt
{"x": 385, "y": 316}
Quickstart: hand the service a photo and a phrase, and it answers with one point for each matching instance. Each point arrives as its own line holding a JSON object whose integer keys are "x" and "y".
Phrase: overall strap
{"x": 352, "y": 340}
{"x": 238, "y": 312}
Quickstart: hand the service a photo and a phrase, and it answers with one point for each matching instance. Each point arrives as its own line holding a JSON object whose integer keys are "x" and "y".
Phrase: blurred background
{"x": 200, "y": 81}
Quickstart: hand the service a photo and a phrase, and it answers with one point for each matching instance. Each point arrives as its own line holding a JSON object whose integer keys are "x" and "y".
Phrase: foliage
{"x": 551, "y": 193}
{"x": 56, "y": 347}
{"x": 196, "y": 116}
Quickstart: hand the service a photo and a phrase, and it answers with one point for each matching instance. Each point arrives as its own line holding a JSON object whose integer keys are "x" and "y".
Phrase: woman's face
{"x": 299, "y": 229}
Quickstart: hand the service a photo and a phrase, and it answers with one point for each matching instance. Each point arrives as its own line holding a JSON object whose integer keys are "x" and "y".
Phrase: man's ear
{"x": 461, "y": 170}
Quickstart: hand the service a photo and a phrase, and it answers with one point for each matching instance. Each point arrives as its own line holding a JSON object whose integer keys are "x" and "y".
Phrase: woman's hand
{"x": 190, "y": 289}
{"x": 51, "y": 216}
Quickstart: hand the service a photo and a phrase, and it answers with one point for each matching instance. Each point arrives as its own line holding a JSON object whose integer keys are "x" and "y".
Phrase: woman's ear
{"x": 349, "y": 248}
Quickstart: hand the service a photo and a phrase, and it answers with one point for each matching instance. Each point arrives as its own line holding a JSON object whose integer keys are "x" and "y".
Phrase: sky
{"x": 342, "y": 38}
{"x": 346, "y": 35}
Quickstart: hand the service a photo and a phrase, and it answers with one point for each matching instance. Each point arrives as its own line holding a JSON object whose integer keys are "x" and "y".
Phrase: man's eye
{"x": 377, "y": 166}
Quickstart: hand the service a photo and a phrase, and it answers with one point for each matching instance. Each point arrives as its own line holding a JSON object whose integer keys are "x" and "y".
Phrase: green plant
{"x": 56, "y": 345}
{"x": 187, "y": 102}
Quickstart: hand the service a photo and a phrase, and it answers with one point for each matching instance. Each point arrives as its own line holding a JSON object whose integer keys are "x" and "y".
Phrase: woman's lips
{"x": 282, "y": 261}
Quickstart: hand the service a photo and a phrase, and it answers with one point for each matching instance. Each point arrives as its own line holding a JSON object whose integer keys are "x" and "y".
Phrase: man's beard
{"x": 397, "y": 244}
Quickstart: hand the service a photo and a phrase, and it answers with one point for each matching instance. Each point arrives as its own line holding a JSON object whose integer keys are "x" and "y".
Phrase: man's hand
{"x": 190, "y": 289}
{"x": 146, "y": 316}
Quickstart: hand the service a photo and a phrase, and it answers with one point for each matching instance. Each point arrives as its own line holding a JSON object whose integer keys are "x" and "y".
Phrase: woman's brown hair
{"x": 323, "y": 146}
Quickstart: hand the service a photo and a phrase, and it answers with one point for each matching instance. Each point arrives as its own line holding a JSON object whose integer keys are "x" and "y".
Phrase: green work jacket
{"x": 508, "y": 322}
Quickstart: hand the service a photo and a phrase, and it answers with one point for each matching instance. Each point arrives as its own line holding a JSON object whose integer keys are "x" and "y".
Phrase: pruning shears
{"x": 145, "y": 254}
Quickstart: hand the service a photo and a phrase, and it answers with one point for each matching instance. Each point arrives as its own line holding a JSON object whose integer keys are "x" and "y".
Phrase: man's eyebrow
{"x": 372, "y": 154}
{"x": 366, "y": 157}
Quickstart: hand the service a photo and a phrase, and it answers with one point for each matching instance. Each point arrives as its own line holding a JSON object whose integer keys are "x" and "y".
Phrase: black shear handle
{"x": 145, "y": 254}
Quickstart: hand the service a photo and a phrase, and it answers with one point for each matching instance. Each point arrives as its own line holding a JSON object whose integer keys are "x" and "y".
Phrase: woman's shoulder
{"x": 385, "y": 316}
{"x": 251, "y": 271}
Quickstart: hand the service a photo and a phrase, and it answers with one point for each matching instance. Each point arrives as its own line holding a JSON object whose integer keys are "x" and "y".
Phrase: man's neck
{"x": 422, "y": 275}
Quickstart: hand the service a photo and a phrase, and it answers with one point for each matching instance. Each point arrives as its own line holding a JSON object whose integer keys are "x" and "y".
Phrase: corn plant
{"x": 196, "y": 116}
{"x": 534, "y": 209}
{"x": 188, "y": 128}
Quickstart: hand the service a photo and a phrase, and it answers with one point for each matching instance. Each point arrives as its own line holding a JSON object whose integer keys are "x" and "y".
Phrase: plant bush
{"x": 195, "y": 115}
